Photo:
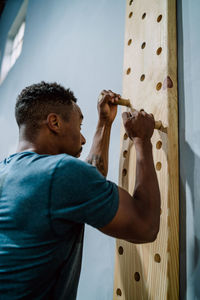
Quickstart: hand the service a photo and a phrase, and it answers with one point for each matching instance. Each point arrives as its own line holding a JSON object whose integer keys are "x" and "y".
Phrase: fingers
{"x": 113, "y": 97}
{"x": 145, "y": 114}
{"x": 152, "y": 116}
{"x": 109, "y": 96}
{"x": 126, "y": 116}
{"x": 136, "y": 114}
{"x": 129, "y": 116}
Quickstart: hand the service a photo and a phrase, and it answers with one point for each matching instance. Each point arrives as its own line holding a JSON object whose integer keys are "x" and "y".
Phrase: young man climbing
{"x": 47, "y": 194}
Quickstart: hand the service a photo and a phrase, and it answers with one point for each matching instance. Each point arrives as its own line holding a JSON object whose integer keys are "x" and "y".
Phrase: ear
{"x": 54, "y": 122}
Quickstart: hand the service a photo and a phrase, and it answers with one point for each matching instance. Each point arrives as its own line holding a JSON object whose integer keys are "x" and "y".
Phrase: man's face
{"x": 71, "y": 139}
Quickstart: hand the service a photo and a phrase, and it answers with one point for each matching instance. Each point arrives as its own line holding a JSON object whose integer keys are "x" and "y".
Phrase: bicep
{"x": 81, "y": 194}
{"x": 128, "y": 223}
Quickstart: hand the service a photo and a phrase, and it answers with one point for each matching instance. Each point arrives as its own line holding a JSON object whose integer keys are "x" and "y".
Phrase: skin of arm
{"x": 146, "y": 195}
{"x": 107, "y": 110}
{"x": 138, "y": 217}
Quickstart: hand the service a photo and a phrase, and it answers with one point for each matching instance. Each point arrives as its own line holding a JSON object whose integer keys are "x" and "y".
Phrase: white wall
{"x": 80, "y": 45}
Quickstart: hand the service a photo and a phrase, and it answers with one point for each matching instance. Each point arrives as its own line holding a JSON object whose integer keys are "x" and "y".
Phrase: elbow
{"x": 152, "y": 237}
{"x": 151, "y": 228}
{"x": 152, "y": 233}
{"x": 149, "y": 236}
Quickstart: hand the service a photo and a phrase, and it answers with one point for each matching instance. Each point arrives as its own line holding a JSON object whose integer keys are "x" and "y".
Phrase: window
{"x": 14, "y": 42}
{"x": 17, "y": 44}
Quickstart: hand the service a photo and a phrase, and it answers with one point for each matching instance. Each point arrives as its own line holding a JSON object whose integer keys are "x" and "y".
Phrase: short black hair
{"x": 36, "y": 101}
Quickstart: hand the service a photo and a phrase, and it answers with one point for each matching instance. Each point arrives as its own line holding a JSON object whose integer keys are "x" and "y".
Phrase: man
{"x": 47, "y": 194}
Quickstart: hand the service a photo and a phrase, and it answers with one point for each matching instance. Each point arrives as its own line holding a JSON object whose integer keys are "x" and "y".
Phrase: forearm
{"x": 146, "y": 192}
{"x": 98, "y": 155}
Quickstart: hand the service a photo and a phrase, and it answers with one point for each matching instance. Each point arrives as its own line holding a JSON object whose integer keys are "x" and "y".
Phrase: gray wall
{"x": 80, "y": 45}
{"x": 189, "y": 134}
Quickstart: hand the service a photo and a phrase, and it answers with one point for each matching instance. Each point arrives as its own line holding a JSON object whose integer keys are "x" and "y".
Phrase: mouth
{"x": 79, "y": 153}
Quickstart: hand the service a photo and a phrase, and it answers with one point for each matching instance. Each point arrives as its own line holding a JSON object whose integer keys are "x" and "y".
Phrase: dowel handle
{"x": 124, "y": 102}
{"x": 127, "y": 102}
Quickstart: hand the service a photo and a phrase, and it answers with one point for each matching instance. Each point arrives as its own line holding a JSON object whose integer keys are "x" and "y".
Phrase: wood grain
{"x": 151, "y": 271}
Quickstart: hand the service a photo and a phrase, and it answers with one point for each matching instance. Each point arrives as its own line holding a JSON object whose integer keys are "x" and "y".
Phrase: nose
{"x": 83, "y": 140}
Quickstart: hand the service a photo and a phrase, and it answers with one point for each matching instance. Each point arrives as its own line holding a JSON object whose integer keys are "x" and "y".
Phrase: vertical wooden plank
{"x": 151, "y": 271}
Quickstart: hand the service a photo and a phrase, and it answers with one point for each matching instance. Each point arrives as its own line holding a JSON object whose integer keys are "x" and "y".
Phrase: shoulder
{"x": 51, "y": 164}
{"x": 75, "y": 167}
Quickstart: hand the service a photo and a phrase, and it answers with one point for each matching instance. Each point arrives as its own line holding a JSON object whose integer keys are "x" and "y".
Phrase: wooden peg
{"x": 127, "y": 102}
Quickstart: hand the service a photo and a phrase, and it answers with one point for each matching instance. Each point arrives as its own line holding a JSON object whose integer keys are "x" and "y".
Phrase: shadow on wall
{"x": 189, "y": 185}
{"x": 190, "y": 173}
{"x": 182, "y": 204}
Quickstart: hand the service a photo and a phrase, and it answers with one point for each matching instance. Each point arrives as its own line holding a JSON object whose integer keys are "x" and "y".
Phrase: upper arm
{"x": 80, "y": 194}
{"x": 129, "y": 222}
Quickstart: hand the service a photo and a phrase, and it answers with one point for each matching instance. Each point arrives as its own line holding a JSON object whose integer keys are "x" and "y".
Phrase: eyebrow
{"x": 79, "y": 110}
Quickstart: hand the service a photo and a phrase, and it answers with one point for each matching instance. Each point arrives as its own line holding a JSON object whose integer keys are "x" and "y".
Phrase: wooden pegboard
{"x": 151, "y": 271}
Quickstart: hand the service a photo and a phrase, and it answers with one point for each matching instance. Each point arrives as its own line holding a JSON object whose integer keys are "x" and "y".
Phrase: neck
{"x": 24, "y": 145}
{"x": 42, "y": 148}
{"x": 41, "y": 144}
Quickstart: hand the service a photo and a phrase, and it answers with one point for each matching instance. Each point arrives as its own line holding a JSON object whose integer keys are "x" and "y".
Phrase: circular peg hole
{"x": 157, "y": 258}
{"x": 137, "y": 276}
{"x": 143, "y": 45}
{"x": 118, "y": 292}
{"x": 158, "y": 166}
{"x": 128, "y": 71}
{"x": 125, "y": 153}
{"x": 129, "y": 42}
{"x": 158, "y": 86}
{"x": 159, "y": 145}
{"x": 159, "y": 18}
{"x": 124, "y": 172}
{"x": 144, "y": 16}
{"x": 142, "y": 78}
{"x": 130, "y": 15}
{"x": 159, "y": 50}
{"x": 121, "y": 250}
{"x": 131, "y": 1}
{"x": 125, "y": 136}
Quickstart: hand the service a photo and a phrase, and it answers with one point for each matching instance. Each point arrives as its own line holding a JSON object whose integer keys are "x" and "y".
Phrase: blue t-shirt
{"x": 45, "y": 200}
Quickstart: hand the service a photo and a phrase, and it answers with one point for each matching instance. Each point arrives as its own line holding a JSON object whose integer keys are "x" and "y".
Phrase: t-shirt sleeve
{"x": 80, "y": 194}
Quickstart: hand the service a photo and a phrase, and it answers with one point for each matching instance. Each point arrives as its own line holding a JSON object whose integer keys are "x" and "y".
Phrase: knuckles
{"x": 108, "y": 96}
{"x": 138, "y": 123}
